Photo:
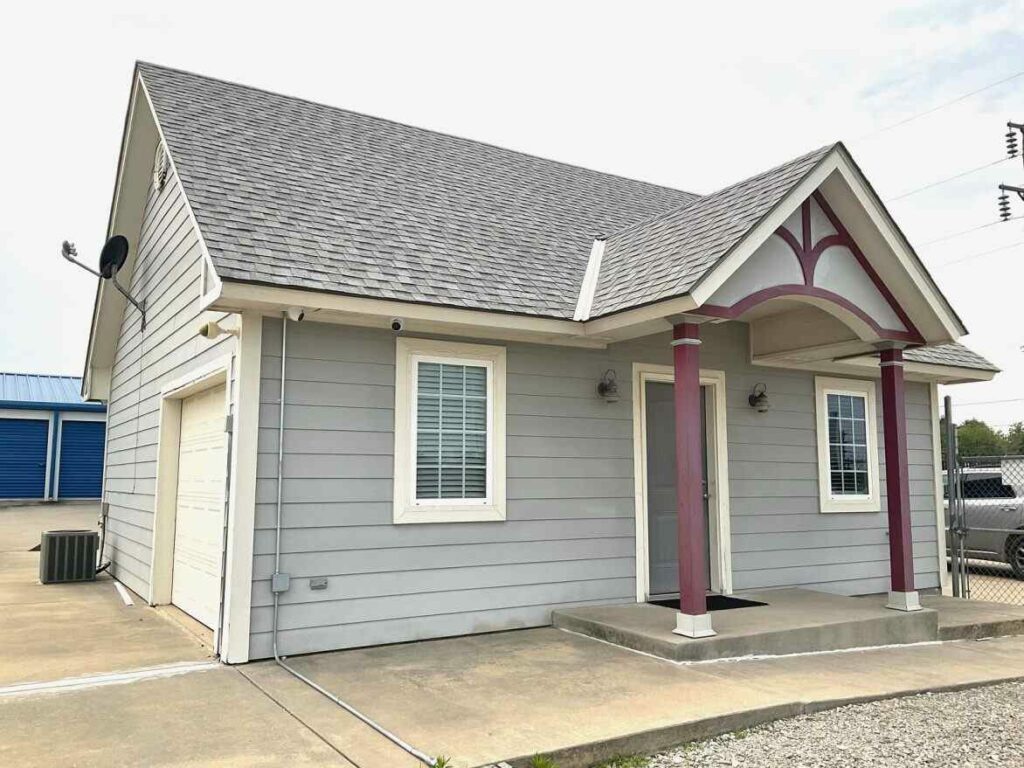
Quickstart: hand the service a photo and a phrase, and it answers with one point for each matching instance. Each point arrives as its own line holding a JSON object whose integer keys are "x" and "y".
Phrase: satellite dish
{"x": 113, "y": 256}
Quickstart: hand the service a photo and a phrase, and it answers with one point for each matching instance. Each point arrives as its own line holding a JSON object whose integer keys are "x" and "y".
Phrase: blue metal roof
{"x": 30, "y": 390}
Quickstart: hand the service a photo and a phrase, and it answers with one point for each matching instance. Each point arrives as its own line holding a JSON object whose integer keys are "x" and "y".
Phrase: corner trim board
{"x": 242, "y": 491}
{"x": 945, "y": 577}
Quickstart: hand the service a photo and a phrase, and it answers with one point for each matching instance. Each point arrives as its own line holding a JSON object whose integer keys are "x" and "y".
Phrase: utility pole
{"x": 1013, "y": 150}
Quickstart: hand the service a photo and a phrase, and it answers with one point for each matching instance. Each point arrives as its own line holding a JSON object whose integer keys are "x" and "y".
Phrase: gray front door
{"x": 662, "y": 546}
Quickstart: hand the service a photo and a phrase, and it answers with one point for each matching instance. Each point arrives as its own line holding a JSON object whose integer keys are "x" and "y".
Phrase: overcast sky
{"x": 693, "y": 98}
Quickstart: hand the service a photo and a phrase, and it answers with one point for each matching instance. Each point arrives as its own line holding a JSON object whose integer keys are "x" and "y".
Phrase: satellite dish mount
{"x": 112, "y": 258}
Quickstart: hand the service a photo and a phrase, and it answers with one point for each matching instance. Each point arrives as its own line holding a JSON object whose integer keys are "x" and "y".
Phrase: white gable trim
{"x": 589, "y": 286}
{"x": 135, "y": 163}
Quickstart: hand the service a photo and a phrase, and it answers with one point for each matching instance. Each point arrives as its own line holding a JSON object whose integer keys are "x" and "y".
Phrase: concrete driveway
{"x": 478, "y": 699}
{"x": 55, "y": 631}
{"x": 86, "y": 680}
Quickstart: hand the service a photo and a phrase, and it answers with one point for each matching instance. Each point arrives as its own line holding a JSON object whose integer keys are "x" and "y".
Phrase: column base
{"x": 904, "y": 601}
{"x": 694, "y": 626}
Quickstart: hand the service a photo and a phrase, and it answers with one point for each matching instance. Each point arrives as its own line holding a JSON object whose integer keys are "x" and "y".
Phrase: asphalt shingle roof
{"x": 296, "y": 193}
{"x": 954, "y": 354}
{"x": 666, "y": 256}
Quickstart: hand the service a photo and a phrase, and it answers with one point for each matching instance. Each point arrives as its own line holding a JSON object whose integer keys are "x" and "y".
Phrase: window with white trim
{"x": 847, "y": 445}
{"x": 449, "y": 432}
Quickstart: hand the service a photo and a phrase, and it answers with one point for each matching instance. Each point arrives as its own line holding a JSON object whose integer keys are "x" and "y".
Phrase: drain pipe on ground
{"x": 280, "y": 582}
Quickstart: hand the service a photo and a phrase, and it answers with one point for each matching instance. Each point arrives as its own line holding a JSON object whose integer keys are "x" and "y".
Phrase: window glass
{"x": 988, "y": 487}
{"x": 451, "y": 431}
{"x": 847, "y": 444}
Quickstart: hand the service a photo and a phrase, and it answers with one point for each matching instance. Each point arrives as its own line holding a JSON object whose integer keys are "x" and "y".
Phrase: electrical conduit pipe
{"x": 280, "y": 582}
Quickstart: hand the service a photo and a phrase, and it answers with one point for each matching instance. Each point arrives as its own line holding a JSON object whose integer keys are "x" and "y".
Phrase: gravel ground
{"x": 966, "y": 729}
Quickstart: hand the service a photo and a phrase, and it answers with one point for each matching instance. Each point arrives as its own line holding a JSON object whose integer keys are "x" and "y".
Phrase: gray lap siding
{"x": 569, "y": 534}
{"x": 167, "y": 274}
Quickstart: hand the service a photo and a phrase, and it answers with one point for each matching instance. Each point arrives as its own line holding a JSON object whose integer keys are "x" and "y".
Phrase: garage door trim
{"x": 169, "y": 435}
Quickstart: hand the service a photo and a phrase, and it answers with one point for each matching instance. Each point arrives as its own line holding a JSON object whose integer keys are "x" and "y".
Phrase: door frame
{"x": 719, "y": 541}
{"x": 215, "y": 374}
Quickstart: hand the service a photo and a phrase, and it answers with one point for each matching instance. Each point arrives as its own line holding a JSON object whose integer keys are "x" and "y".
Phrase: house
{"x": 505, "y": 385}
{"x": 51, "y": 440}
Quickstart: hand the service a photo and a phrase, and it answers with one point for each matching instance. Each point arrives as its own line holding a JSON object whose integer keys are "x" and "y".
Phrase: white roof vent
{"x": 161, "y": 167}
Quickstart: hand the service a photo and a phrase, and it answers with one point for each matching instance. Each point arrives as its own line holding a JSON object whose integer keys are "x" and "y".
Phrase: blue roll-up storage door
{"x": 81, "y": 460}
{"x": 23, "y": 458}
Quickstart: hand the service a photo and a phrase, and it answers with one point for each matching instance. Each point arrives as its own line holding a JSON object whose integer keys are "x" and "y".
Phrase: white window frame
{"x": 829, "y": 502}
{"x": 409, "y": 509}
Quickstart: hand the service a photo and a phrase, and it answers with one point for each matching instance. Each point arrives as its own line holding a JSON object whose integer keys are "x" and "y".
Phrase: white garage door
{"x": 198, "y": 528}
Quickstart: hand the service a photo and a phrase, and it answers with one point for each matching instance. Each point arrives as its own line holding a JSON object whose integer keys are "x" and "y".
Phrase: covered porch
{"x": 691, "y": 433}
{"x": 813, "y": 301}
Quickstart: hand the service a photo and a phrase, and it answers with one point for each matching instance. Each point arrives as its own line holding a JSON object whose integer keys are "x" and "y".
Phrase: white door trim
{"x": 169, "y": 434}
{"x": 719, "y": 545}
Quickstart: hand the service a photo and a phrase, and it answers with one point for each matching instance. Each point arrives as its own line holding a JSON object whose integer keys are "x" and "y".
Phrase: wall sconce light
{"x": 608, "y": 387}
{"x": 759, "y": 398}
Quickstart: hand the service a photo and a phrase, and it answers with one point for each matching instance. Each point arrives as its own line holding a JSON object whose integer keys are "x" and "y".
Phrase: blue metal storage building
{"x": 51, "y": 441}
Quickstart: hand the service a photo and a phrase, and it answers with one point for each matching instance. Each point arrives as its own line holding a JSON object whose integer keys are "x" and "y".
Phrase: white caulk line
{"x": 113, "y": 678}
{"x": 763, "y": 656}
{"x": 127, "y": 598}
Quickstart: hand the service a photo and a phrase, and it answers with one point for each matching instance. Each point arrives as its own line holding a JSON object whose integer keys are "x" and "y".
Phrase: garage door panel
{"x": 81, "y": 459}
{"x": 23, "y": 446}
{"x": 199, "y": 515}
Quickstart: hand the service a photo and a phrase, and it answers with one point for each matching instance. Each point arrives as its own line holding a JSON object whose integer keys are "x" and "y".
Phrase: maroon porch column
{"x": 693, "y": 620}
{"x": 902, "y": 595}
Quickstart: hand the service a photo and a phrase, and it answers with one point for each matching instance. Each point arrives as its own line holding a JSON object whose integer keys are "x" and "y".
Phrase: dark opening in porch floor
{"x": 713, "y": 603}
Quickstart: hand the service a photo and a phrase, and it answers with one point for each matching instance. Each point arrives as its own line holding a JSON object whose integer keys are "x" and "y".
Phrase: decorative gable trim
{"x": 804, "y": 242}
{"x": 834, "y": 167}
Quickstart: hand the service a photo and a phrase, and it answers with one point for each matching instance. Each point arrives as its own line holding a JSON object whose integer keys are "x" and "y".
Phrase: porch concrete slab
{"x": 54, "y": 631}
{"x": 960, "y": 619}
{"x": 510, "y": 695}
{"x": 792, "y": 621}
{"x": 973, "y": 619}
{"x": 213, "y": 717}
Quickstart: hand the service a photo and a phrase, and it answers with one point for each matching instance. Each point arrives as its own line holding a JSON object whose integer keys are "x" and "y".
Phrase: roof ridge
{"x": 665, "y": 214}
{"x": 522, "y": 153}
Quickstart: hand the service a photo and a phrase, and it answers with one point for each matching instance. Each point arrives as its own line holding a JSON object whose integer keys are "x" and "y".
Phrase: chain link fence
{"x": 985, "y": 526}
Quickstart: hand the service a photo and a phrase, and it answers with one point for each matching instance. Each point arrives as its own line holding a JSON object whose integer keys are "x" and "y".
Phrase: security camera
{"x": 295, "y": 314}
{"x": 397, "y": 324}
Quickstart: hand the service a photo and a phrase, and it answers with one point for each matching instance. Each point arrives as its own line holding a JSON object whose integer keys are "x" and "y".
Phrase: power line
{"x": 978, "y": 255}
{"x": 935, "y": 109}
{"x": 968, "y": 231}
{"x": 992, "y": 402}
{"x": 948, "y": 179}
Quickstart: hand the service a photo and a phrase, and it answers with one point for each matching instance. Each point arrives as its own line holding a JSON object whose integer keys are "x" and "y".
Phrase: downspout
{"x": 280, "y": 582}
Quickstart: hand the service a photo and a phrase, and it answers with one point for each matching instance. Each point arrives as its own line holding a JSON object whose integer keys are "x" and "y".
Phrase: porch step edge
{"x": 897, "y": 629}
